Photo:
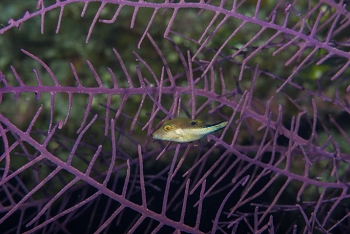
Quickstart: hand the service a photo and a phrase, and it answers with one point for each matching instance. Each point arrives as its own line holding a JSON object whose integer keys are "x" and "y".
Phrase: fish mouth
{"x": 155, "y": 136}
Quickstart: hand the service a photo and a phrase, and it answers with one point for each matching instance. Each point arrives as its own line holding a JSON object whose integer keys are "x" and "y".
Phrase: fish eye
{"x": 167, "y": 128}
{"x": 193, "y": 122}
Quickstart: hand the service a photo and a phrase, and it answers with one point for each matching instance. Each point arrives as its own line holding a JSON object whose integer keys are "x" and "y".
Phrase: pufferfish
{"x": 185, "y": 130}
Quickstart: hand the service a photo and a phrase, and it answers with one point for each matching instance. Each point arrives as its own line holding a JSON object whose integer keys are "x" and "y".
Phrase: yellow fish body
{"x": 185, "y": 130}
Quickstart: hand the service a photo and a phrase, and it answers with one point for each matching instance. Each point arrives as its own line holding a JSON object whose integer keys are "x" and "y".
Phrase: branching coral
{"x": 81, "y": 158}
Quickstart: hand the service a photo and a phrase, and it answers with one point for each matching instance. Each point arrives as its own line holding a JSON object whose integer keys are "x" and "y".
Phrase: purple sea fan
{"x": 84, "y": 84}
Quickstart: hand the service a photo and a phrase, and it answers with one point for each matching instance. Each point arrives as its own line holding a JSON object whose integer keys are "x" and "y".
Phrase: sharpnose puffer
{"x": 185, "y": 130}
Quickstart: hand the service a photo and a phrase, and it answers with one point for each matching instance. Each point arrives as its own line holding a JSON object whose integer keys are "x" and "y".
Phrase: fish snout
{"x": 154, "y": 136}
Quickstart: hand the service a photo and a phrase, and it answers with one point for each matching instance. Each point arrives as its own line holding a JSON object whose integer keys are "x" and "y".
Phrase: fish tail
{"x": 218, "y": 126}
{"x": 222, "y": 124}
